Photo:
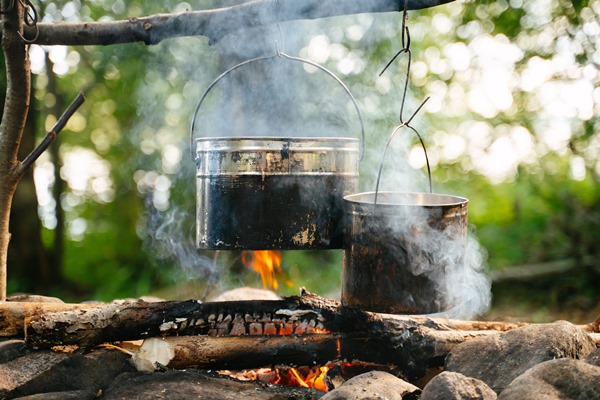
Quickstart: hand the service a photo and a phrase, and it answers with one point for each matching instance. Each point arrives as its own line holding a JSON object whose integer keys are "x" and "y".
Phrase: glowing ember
{"x": 300, "y": 377}
{"x": 268, "y": 264}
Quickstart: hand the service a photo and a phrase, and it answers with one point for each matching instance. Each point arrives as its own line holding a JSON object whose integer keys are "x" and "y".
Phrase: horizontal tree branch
{"x": 213, "y": 24}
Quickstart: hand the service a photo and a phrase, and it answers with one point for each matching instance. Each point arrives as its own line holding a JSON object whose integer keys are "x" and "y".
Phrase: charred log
{"x": 298, "y": 330}
{"x": 411, "y": 353}
{"x": 293, "y": 315}
{"x": 140, "y": 319}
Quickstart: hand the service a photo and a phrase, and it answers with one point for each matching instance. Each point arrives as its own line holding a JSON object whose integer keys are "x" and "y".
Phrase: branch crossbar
{"x": 214, "y": 24}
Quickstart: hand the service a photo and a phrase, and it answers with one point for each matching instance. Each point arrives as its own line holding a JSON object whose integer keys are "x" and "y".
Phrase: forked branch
{"x": 51, "y": 135}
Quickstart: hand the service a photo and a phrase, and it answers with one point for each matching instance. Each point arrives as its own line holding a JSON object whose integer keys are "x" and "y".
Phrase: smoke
{"x": 455, "y": 262}
{"x": 284, "y": 98}
{"x": 468, "y": 288}
{"x": 170, "y": 239}
{"x": 276, "y": 97}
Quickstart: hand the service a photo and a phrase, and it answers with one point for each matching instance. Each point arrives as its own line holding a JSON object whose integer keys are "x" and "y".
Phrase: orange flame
{"x": 267, "y": 263}
{"x": 311, "y": 378}
{"x": 316, "y": 379}
{"x": 307, "y": 377}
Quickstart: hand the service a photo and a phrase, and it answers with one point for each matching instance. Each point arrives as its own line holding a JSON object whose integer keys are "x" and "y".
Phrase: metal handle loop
{"x": 288, "y": 57}
{"x": 388, "y": 145}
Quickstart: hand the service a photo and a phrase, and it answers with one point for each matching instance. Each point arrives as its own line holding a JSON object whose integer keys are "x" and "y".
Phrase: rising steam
{"x": 280, "y": 98}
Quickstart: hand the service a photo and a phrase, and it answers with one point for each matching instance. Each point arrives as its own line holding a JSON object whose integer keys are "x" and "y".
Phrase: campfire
{"x": 169, "y": 336}
{"x": 411, "y": 281}
{"x": 268, "y": 264}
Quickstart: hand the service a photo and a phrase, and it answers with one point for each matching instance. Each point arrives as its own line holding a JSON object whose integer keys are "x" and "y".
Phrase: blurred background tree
{"x": 511, "y": 124}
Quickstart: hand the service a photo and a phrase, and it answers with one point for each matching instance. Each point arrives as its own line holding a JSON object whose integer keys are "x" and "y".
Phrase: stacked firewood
{"x": 303, "y": 330}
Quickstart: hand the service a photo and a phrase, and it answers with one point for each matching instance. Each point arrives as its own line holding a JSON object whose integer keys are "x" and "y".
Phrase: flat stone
{"x": 196, "y": 384}
{"x": 246, "y": 293}
{"x": 48, "y": 371}
{"x": 455, "y": 386}
{"x": 374, "y": 385}
{"x": 18, "y": 372}
{"x": 498, "y": 359}
{"x": 69, "y": 395}
{"x": 560, "y": 379}
{"x": 11, "y": 349}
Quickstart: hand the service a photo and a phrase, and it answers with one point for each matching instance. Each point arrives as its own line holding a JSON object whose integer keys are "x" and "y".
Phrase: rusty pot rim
{"x": 253, "y": 143}
{"x": 406, "y": 199}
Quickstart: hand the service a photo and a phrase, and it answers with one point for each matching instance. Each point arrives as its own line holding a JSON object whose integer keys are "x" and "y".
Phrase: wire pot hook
{"x": 405, "y": 49}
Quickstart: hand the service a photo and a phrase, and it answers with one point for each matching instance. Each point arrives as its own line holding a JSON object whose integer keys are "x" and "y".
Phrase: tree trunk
{"x": 412, "y": 351}
{"x": 213, "y": 24}
{"x": 236, "y": 352}
{"x": 13, "y": 120}
{"x": 28, "y": 259}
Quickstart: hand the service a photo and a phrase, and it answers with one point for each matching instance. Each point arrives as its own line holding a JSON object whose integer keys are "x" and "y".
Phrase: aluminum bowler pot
{"x": 272, "y": 192}
{"x": 397, "y": 251}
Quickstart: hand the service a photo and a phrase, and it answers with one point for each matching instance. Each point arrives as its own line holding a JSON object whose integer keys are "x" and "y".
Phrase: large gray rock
{"x": 498, "y": 359}
{"x": 19, "y": 372}
{"x": 48, "y": 371}
{"x": 11, "y": 349}
{"x": 68, "y": 395}
{"x": 593, "y": 358}
{"x": 561, "y": 379}
{"x": 374, "y": 385}
{"x": 455, "y": 386}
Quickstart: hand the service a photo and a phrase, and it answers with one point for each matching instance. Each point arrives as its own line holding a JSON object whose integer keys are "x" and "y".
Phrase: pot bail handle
{"x": 291, "y": 58}
{"x": 387, "y": 145}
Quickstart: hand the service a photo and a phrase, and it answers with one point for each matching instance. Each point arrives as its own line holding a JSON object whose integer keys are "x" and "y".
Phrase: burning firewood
{"x": 236, "y": 352}
{"x": 139, "y": 320}
{"x": 293, "y": 315}
{"x": 297, "y": 330}
{"x": 241, "y": 352}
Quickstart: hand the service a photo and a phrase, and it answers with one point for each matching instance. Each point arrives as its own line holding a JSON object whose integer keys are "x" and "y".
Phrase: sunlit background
{"x": 511, "y": 123}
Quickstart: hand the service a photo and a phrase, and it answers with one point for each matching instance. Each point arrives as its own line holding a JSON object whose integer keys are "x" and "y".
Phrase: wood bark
{"x": 412, "y": 353}
{"x": 213, "y": 24}
{"x": 89, "y": 327}
{"x": 236, "y": 352}
{"x": 12, "y": 125}
{"x": 27, "y": 254}
{"x": 13, "y": 314}
{"x": 251, "y": 334}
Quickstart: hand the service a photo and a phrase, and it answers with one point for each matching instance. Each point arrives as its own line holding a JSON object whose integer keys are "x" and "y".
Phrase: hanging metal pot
{"x": 273, "y": 192}
{"x": 398, "y": 249}
{"x": 399, "y": 246}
